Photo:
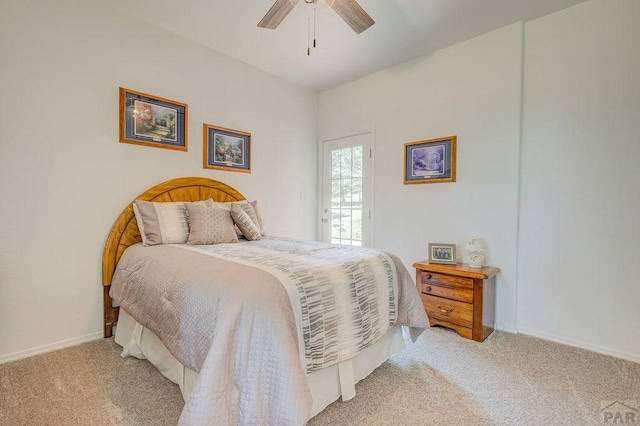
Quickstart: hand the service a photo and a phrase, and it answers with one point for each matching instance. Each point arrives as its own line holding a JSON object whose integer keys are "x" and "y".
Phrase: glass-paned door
{"x": 346, "y": 211}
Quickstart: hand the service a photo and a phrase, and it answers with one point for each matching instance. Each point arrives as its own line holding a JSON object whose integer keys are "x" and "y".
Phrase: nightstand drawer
{"x": 452, "y": 311}
{"x": 455, "y": 293}
{"x": 445, "y": 280}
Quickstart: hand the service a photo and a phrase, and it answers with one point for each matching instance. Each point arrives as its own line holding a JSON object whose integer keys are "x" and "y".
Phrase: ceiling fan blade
{"x": 277, "y": 13}
{"x": 352, "y": 13}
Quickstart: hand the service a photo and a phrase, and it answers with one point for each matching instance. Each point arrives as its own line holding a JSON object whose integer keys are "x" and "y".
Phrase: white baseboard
{"x": 595, "y": 348}
{"x": 50, "y": 347}
{"x": 508, "y": 328}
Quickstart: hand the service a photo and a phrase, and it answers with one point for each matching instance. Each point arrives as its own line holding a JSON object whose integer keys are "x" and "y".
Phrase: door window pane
{"x": 346, "y": 196}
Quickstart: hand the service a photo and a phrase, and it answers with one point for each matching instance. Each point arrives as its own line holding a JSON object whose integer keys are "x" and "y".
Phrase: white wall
{"x": 471, "y": 90}
{"x": 566, "y": 236}
{"x": 64, "y": 177}
{"x": 580, "y": 194}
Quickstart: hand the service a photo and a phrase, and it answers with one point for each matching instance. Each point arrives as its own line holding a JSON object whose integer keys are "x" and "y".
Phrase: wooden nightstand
{"x": 459, "y": 297}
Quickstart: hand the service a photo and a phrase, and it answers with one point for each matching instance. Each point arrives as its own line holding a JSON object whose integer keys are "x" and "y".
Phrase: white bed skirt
{"x": 326, "y": 385}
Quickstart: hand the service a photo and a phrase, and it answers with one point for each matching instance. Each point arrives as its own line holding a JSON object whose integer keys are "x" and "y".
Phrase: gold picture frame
{"x": 226, "y": 149}
{"x": 430, "y": 161}
{"x": 153, "y": 121}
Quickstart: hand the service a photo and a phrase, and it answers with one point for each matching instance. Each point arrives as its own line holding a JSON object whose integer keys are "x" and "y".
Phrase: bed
{"x": 249, "y": 330}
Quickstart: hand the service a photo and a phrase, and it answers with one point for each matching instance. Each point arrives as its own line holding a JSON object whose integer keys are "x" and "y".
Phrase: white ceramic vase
{"x": 475, "y": 259}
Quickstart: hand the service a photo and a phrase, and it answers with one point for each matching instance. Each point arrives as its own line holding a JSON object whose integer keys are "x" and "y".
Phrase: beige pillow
{"x": 250, "y": 211}
{"x": 249, "y": 229}
{"x": 227, "y": 206}
{"x": 161, "y": 223}
{"x": 210, "y": 225}
{"x": 259, "y": 222}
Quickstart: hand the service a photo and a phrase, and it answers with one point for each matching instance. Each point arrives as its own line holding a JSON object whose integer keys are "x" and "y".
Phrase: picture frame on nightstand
{"x": 442, "y": 253}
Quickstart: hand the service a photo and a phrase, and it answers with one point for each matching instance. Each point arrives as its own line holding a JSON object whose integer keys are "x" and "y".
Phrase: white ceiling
{"x": 404, "y": 30}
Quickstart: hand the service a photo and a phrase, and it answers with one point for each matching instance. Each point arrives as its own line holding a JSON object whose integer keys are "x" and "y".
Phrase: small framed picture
{"x": 152, "y": 121}
{"x": 430, "y": 161}
{"x": 226, "y": 149}
{"x": 442, "y": 253}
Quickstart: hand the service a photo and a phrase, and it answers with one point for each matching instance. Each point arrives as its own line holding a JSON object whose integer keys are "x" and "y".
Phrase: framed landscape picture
{"x": 430, "y": 161}
{"x": 226, "y": 149}
{"x": 152, "y": 121}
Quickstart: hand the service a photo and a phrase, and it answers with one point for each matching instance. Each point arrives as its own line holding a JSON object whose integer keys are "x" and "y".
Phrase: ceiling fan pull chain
{"x": 308, "y": 29}
{"x": 314, "y": 23}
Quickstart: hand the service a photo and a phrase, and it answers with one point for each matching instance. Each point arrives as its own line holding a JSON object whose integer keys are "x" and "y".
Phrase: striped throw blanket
{"x": 343, "y": 298}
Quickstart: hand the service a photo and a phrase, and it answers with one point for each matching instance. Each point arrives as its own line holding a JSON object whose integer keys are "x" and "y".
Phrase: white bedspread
{"x": 233, "y": 321}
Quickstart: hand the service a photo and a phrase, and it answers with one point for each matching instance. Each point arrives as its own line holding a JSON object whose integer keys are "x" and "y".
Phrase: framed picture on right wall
{"x": 430, "y": 161}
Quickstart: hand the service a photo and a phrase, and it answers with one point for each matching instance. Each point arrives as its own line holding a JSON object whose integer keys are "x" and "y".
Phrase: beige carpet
{"x": 441, "y": 380}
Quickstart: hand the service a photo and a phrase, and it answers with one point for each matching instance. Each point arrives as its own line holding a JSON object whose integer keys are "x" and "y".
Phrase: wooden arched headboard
{"x": 125, "y": 233}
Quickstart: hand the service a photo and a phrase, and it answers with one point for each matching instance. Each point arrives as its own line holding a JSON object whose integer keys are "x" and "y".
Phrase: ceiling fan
{"x": 349, "y": 10}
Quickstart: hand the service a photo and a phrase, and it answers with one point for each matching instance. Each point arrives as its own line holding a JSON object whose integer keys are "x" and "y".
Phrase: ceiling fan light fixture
{"x": 329, "y": 3}
{"x": 349, "y": 10}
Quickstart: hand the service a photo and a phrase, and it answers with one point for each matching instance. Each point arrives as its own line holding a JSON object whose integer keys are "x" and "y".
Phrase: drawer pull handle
{"x": 427, "y": 289}
{"x": 444, "y": 311}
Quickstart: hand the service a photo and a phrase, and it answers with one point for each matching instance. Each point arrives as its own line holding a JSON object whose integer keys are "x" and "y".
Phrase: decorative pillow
{"x": 227, "y": 206}
{"x": 210, "y": 224}
{"x": 249, "y": 229}
{"x": 161, "y": 223}
{"x": 260, "y": 222}
{"x": 251, "y": 212}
